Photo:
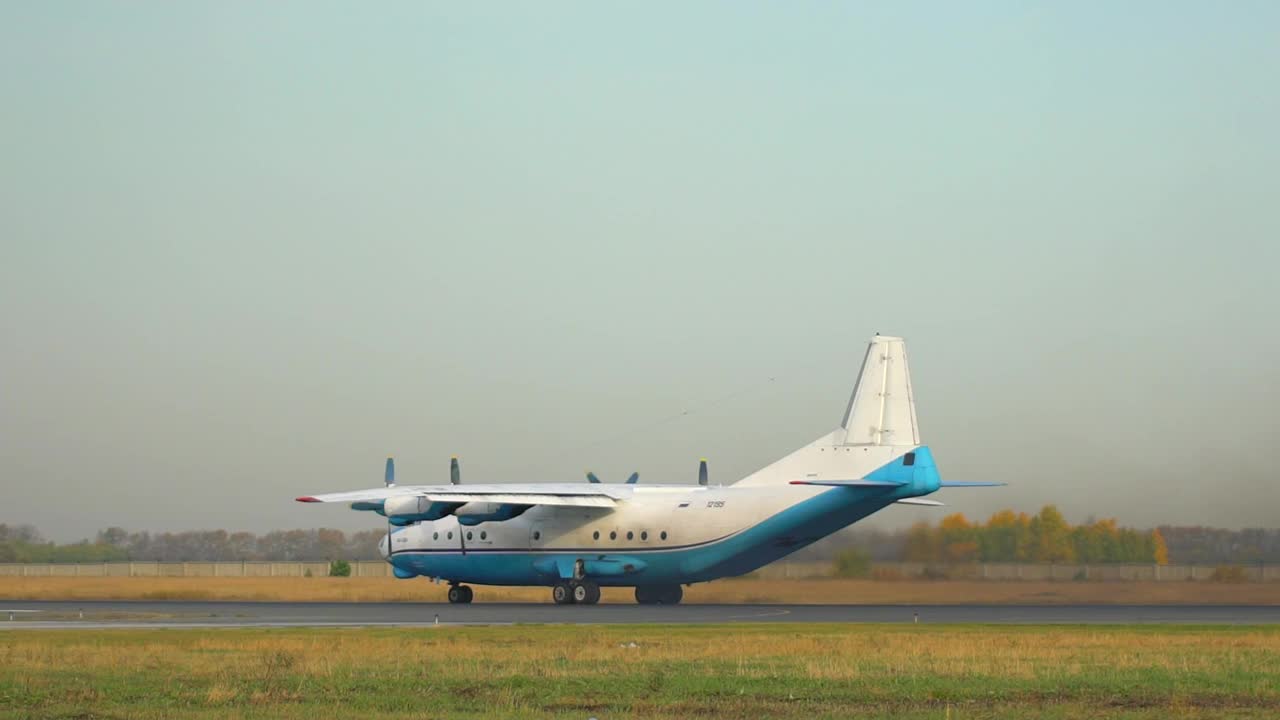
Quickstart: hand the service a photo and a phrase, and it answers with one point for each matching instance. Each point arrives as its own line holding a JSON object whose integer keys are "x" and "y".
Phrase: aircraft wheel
{"x": 562, "y": 594}
{"x": 671, "y": 595}
{"x": 586, "y": 593}
{"x": 460, "y": 594}
{"x": 646, "y": 595}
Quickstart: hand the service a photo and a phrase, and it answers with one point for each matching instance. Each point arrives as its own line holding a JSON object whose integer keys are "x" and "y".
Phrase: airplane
{"x": 659, "y": 538}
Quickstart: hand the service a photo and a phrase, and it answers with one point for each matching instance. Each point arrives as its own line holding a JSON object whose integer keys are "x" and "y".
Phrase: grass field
{"x": 922, "y": 592}
{"x": 773, "y": 671}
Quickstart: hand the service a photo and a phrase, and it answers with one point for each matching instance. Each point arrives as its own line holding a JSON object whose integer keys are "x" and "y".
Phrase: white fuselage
{"x": 661, "y": 534}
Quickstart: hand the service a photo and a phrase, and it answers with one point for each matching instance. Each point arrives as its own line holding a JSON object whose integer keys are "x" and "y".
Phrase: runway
{"x": 178, "y": 614}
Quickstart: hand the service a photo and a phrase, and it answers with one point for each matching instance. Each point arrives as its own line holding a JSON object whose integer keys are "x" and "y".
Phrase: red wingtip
{"x": 307, "y": 498}
{"x": 798, "y": 482}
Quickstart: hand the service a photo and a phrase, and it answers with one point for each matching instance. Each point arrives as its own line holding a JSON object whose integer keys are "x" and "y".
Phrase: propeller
{"x": 455, "y": 473}
{"x": 389, "y": 477}
{"x": 594, "y": 479}
{"x": 702, "y": 471}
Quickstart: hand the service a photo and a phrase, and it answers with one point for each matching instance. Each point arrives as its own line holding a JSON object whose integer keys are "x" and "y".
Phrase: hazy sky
{"x": 249, "y": 249}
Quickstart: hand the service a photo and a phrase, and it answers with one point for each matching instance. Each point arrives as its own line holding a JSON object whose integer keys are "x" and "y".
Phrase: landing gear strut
{"x": 659, "y": 594}
{"x": 460, "y": 594}
{"x": 582, "y": 592}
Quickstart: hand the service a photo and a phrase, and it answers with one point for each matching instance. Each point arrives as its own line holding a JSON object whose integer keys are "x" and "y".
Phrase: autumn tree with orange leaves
{"x": 1044, "y": 537}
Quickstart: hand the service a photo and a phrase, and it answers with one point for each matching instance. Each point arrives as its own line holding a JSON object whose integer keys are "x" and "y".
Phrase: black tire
{"x": 562, "y": 594}
{"x": 671, "y": 595}
{"x": 646, "y": 596}
{"x": 467, "y": 594}
{"x": 586, "y": 593}
{"x": 459, "y": 594}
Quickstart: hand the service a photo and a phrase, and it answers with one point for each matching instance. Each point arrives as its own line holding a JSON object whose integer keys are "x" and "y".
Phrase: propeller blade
{"x": 390, "y": 477}
{"x": 591, "y": 478}
{"x": 635, "y": 478}
{"x": 702, "y": 471}
{"x": 455, "y": 473}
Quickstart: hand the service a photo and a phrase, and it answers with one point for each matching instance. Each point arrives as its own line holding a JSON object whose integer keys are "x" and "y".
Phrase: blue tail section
{"x": 914, "y": 469}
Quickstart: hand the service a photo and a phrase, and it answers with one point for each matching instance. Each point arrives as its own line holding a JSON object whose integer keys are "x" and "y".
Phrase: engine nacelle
{"x": 410, "y": 508}
{"x": 474, "y": 513}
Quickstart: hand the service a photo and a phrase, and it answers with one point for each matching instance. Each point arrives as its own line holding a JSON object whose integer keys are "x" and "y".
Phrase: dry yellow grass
{"x": 861, "y": 592}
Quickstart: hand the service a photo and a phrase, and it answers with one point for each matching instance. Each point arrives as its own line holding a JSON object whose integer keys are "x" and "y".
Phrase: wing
{"x": 558, "y": 494}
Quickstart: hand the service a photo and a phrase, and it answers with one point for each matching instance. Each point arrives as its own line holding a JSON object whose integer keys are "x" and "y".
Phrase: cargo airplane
{"x": 578, "y": 537}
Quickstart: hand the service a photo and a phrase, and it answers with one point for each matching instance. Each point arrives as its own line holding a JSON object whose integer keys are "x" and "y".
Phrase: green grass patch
{"x": 759, "y": 671}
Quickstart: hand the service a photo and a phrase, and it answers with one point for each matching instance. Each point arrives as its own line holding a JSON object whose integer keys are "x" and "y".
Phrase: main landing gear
{"x": 581, "y": 592}
{"x": 659, "y": 594}
{"x": 460, "y": 594}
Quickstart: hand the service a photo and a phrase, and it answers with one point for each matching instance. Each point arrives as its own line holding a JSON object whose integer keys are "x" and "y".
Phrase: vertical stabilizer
{"x": 879, "y": 425}
{"x": 882, "y": 410}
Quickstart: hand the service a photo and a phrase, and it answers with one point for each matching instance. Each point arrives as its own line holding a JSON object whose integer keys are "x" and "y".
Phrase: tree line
{"x": 1211, "y": 546}
{"x": 1045, "y": 537}
{"x": 23, "y": 543}
{"x": 1006, "y": 536}
{"x": 1009, "y": 536}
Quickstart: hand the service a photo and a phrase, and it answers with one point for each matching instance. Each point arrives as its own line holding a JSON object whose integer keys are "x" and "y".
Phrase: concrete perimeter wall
{"x": 776, "y": 571}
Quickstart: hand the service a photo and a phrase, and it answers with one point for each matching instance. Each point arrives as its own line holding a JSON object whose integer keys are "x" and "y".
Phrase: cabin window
{"x": 537, "y": 534}
{"x": 435, "y": 536}
{"x": 595, "y": 535}
{"x": 613, "y": 535}
{"x": 630, "y": 535}
{"x": 664, "y": 535}
{"x": 450, "y": 534}
{"x": 909, "y": 459}
{"x": 644, "y": 535}
{"x": 483, "y": 535}
{"x": 468, "y": 534}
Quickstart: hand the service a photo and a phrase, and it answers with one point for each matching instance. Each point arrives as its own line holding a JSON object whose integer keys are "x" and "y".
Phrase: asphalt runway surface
{"x": 16, "y": 614}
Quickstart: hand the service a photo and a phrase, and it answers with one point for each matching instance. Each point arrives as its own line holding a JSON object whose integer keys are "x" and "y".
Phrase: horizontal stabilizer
{"x": 850, "y": 483}
{"x": 920, "y": 501}
{"x": 967, "y": 483}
